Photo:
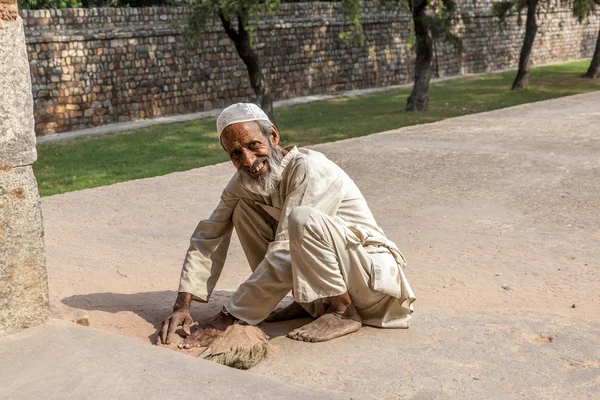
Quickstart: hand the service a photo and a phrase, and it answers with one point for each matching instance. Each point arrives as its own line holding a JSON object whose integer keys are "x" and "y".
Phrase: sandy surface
{"x": 510, "y": 197}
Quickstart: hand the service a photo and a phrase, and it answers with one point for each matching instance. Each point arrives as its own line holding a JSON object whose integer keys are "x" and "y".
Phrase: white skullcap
{"x": 240, "y": 112}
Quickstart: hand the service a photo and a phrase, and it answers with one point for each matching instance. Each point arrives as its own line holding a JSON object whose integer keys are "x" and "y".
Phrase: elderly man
{"x": 304, "y": 227}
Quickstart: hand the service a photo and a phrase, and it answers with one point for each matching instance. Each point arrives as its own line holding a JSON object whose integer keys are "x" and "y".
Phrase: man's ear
{"x": 274, "y": 136}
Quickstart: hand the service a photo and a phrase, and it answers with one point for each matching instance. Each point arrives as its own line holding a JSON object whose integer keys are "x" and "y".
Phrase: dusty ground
{"x": 510, "y": 197}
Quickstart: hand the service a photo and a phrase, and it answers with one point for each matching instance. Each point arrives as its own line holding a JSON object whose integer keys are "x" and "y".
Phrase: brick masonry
{"x": 91, "y": 67}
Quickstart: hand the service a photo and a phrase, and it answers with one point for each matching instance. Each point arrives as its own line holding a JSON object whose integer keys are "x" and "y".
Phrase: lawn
{"x": 161, "y": 149}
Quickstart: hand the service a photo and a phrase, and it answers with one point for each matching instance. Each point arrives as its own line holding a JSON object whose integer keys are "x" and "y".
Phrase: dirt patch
{"x": 82, "y": 321}
{"x": 542, "y": 339}
{"x": 582, "y": 364}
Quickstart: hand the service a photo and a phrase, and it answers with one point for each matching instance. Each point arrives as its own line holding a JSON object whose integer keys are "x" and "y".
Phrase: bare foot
{"x": 292, "y": 311}
{"x": 329, "y": 326}
{"x": 204, "y": 336}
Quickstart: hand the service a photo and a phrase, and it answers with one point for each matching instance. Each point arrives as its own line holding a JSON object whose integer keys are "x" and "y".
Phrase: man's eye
{"x": 254, "y": 145}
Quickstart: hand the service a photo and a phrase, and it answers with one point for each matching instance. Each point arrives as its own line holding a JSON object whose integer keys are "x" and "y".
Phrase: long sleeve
{"x": 320, "y": 185}
{"x": 208, "y": 248}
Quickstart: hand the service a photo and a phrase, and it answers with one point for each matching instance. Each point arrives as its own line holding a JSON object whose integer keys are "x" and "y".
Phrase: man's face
{"x": 248, "y": 148}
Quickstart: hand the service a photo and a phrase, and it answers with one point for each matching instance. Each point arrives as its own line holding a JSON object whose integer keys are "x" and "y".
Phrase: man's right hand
{"x": 181, "y": 316}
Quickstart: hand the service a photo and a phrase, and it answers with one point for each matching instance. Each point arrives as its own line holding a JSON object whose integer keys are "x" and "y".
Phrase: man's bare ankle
{"x": 343, "y": 311}
{"x": 339, "y": 304}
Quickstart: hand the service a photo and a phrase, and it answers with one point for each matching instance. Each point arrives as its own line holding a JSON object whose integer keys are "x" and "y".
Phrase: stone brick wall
{"x": 99, "y": 66}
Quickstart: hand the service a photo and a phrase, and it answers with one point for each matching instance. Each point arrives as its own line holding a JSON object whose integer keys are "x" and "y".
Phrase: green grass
{"x": 161, "y": 149}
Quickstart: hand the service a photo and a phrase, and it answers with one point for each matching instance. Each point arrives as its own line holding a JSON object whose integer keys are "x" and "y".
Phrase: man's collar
{"x": 292, "y": 153}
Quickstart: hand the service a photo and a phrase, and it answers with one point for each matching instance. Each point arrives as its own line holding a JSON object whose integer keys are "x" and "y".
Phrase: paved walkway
{"x": 497, "y": 214}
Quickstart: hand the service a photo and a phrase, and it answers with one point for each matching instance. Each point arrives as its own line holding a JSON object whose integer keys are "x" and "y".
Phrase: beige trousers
{"x": 321, "y": 263}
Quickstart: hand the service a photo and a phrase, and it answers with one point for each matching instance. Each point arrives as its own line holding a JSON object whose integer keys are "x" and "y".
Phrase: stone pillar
{"x": 23, "y": 279}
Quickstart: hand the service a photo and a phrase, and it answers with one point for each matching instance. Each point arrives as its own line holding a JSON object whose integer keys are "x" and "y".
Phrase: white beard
{"x": 264, "y": 185}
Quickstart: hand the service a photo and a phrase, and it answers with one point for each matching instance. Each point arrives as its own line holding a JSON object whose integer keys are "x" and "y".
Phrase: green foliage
{"x": 411, "y": 40}
{"x": 440, "y": 18}
{"x": 245, "y": 11}
{"x": 315, "y": 1}
{"x": 505, "y": 9}
{"x": 57, "y": 4}
{"x": 197, "y": 20}
{"x": 353, "y": 33}
{"x": 582, "y": 9}
{"x": 48, "y": 4}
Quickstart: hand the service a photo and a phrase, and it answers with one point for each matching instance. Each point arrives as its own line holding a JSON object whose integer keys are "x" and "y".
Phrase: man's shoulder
{"x": 310, "y": 154}
{"x": 313, "y": 160}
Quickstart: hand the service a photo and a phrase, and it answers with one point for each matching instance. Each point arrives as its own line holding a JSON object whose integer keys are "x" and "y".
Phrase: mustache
{"x": 257, "y": 163}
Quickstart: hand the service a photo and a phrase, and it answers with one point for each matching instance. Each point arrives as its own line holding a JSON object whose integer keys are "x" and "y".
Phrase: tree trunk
{"x": 594, "y": 70}
{"x": 260, "y": 84}
{"x": 522, "y": 79}
{"x": 419, "y": 97}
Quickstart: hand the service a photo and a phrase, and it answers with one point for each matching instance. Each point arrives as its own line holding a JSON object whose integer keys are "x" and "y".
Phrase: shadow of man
{"x": 155, "y": 307}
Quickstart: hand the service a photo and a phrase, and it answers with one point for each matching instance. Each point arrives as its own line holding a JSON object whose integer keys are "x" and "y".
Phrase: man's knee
{"x": 299, "y": 219}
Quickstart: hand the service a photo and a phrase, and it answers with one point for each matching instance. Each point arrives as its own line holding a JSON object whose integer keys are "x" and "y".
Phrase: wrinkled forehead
{"x": 241, "y": 133}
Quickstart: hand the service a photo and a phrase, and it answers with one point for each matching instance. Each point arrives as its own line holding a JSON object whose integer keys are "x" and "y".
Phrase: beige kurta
{"x": 316, "y": 237}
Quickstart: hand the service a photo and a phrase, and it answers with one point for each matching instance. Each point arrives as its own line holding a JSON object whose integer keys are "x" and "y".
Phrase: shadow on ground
{"x": 155, "y": 307}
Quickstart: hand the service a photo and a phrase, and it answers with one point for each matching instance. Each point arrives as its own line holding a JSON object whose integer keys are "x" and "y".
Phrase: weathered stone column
{"x": 23, "y": 279}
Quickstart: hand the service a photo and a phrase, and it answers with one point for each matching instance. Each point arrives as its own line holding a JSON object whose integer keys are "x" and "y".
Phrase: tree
{"x": 582, "y": 9}
{"x": 432, "y": 20}
{"x": 239, "y": 19}
{"x": 505, "y": 8}
{"x": 437, "y": 24}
